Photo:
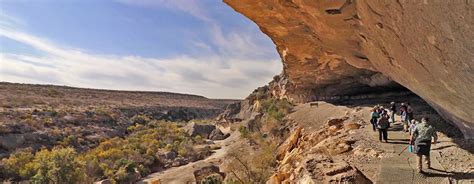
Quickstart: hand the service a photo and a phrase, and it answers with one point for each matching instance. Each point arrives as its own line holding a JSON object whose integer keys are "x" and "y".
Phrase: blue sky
{"x": 189, "y": 46}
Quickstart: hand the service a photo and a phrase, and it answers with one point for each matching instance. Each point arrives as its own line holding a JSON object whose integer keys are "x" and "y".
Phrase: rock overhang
{"x": 346, "y": 47}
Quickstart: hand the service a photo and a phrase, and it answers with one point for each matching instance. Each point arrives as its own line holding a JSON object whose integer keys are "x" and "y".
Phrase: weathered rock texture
{"x": 311, "y": 157}
{"x": 347, "y": 47}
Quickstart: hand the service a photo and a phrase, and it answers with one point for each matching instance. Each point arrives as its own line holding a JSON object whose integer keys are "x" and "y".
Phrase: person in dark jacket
{"x": 409, "y": 112}
{"x": 382, "y": 125}
{"x": 421, "y": 138}
{"x": 374, "y": 118}
{"x": 404, "y": 116}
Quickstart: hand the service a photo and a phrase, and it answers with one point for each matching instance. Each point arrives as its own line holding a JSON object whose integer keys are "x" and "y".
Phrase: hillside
{"x": 31, "y": 95}
{"x": 41, "y": 115}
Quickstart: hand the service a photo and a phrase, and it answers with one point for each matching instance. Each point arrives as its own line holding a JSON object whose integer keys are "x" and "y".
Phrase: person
{"x": 421, "y": 138}
{"x": 393, "y": 111}
{"x": 382, "y": 125}
{"x": 403, "y": 106}
{"x": 404, "y": 116}
{"x": 409, "y": 112}
{"x": 380, "y": 109}
{"x": 413, "y": 124}
{"x": 374, "y": 117}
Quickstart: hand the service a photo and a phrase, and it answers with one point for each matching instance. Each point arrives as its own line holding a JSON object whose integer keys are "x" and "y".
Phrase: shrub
{"x": 15, "y": 164}
{"x": 185, "y": 148}
{"x": 276, "y": 109}
{"x": 244, "y": 132}
{"x": 53, "y": 93}
{"x": 48, "y": 121}
{"x": 70, "y": 140}
{"x": 140, "y": 119}
{"x": 117, "y": 159}
{"x": 198, "y": 139}
{"x": 56, "y": 166}
{"x": 212, "y": 179}
{"x": 252, "y": 168}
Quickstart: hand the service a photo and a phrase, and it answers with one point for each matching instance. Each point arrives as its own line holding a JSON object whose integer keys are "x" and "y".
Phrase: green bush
{"x": 117, "y": 158}
{"x": 56, "y": 166}
{"x": 15, "y": 164}
{"x": 276, "y": 109}
{"x": 212, "y": 179}
{"x": 70, "y": 140}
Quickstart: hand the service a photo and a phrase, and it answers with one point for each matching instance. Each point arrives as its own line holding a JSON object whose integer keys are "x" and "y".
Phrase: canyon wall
{"x": 339, "y": 48}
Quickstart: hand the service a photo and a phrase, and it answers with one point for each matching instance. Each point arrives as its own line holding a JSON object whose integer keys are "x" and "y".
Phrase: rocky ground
{"x": 334, "y": 143}
{"x": 337, "y": 144}
{"x": 187, "y": 173}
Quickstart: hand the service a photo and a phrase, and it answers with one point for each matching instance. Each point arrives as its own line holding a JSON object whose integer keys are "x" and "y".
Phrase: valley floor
{"x": 185, "y": 173}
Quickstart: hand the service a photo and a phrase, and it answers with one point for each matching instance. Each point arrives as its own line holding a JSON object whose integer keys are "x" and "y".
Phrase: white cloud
{"x": 231, "y": 65}
{"x": 7, "y": 20}
{"x": 192, "y": 7}
{"x": 238, "y": 42}
{"x": 214, "y": 76}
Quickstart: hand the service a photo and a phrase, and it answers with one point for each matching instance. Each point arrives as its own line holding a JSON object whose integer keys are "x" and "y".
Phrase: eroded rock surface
{"x": 339, "y": 48}
{"x": 311, "y": 157}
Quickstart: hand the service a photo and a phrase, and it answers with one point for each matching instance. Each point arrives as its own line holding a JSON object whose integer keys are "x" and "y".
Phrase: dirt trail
{"x": 447, "y": 157}
{"x": 401, "y": 168}
{"x": 184, "y": 174}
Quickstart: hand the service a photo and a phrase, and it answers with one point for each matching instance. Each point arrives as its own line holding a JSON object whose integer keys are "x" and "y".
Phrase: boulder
{"x": 170, "y": 155}
{"x": 179, "y": 161}
{"x": 217, "y": 134}
{"x": 336, "y": 121}
{"x": 252, "y": 123}
{"x": 12, "y": 141}
{"x": 203, "y": 130}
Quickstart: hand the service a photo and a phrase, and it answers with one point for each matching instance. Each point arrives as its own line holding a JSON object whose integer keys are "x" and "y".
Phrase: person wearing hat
{"x": 382, "y": 125}
{"x": 422, "y": 136}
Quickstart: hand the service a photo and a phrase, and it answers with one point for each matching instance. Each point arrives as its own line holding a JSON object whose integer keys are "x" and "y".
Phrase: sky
{"x": 199, "y": 47}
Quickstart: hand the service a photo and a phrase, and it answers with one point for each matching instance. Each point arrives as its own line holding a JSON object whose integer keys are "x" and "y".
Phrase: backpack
{"x": 383, "y": 123}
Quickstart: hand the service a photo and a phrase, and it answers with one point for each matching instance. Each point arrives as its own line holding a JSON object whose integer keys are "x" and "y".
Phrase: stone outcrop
{"x": 311, "y": 157}
{"x": 203, "y": 130}
{"x": 217, "y": 134}
{"x": 339, "y": 48}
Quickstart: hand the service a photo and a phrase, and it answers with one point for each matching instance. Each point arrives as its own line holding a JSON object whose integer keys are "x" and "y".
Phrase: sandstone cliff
{"x": 340, "y": 48}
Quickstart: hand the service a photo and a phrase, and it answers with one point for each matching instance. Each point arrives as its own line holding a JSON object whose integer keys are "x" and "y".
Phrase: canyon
{"x": 338, "y": 49}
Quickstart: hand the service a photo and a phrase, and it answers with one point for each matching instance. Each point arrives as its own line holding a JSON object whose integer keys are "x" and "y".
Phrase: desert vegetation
{"x": 263, "y": 133}
{"x": 122, "y": 160}
{"x": 55, "y": 134}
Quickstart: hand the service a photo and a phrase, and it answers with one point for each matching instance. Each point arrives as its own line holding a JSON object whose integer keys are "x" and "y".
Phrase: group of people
{"x": 421, "y": 133}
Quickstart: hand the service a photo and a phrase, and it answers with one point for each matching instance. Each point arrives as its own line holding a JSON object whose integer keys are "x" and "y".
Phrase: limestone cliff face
{"x": 349, "y": 47}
